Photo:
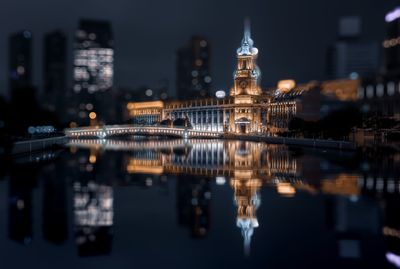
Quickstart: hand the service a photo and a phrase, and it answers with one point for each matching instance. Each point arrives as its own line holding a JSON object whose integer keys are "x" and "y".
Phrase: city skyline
{"x": 280, "y": 57}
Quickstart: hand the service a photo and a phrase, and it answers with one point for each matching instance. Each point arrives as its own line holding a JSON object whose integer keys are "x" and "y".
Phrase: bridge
{"x": 115, "y": 130}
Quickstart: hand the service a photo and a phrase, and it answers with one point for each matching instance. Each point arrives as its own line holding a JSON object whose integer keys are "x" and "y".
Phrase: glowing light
{"x": 286, "y": 189}
{"x": 89, "y": 106}
{"x": 92, "y": 115}
{"x": 20, "y": 70}
{"x": 220, "y": 180}
{"x": 149, "y": 92}
{"x": 220, "y": 94}
{"x": 92, "y": 159}
{"x": 393, "y": 15}
{"x": 286, "y": 84}
{"x": 393, "y": 259}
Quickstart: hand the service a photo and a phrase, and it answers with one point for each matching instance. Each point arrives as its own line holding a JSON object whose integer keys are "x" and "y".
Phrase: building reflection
{"x": 20, "y": 211}
{"x": 193, "y": 204}
{"x": 93, "y": 207}
{"x": 248, "y": 165}
{"x": 55, "y": 206}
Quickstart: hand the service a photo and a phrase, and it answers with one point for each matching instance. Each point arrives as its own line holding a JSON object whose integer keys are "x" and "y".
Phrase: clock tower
{"x": 246, "y": 90}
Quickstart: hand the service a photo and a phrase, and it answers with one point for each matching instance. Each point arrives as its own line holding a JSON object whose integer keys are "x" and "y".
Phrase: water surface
{"x": 199, "y": 204}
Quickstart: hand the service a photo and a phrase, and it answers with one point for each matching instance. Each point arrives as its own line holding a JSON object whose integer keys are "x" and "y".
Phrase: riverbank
{"x": 303, "y": 142}
{"x": 29, "y": 146}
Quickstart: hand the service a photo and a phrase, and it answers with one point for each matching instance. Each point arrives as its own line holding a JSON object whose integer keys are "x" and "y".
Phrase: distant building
{"x": 381, "y": 98}
{"x": 93, "y": 57}
{"x": 249, "y": 109}
{"x": 350, "y": 56}
{"x": 20, "y": 63}
{"x": 193, "y": 69}
{"x": 55, "y": 70}
{"x": 391, "y": 45}
{"x": 93, "y": 72}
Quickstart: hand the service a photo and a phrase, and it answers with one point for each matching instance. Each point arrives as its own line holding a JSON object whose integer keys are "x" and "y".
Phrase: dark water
{"x": 199, "y": 204}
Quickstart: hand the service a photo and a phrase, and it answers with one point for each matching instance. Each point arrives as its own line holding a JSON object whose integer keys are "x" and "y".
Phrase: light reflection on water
{"x": 246, "y": 191}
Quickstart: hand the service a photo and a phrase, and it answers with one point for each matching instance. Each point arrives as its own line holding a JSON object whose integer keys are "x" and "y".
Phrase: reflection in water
{"x": 249, "y": 166}
{"x": 20, "y": 206}
{"x": 193, "y": 204}
{"x": 95, "y": 167}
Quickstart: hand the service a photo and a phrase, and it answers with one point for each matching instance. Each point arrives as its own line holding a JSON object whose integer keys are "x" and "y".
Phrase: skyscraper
{"x": 20, "y": 62}
{"x": 93, "y": 72}
{"x": 93, "y": 56}
{"x": 391, "y": 45}
{"x": 193, "y": 69}
{"x": 55, "y": 70}
{"x": 350, "y": 56}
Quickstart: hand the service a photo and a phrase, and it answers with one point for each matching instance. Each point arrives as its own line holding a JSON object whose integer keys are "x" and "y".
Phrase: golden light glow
{"x": 92, "y": 115}
{"x": 285, "y": 189}
{"x": 92, "y": 158}
{"x": 343, "y": 90}
{"x": 286, "y": 85}
{"x": 140, "y": 105}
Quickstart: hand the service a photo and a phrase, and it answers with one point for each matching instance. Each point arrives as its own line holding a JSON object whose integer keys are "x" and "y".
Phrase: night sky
{"x": 291, "y": 35}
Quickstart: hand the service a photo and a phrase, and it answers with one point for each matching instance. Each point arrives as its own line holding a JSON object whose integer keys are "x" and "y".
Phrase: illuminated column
{"x": 218, "y": 121}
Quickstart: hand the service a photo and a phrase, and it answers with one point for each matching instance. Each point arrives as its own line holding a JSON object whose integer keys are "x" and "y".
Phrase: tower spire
{"x": 246, "y": 47}
{"x": 247, "y": 29}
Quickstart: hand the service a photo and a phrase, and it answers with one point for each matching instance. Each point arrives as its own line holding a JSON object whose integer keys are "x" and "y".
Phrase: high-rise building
{"x": 93, "y": 57}
{"x": 93, "y": 72}
{"x": 350, "y": 56}
{"x": 20, "y": 62}
{"x": 391, "y": 45}
{"x": 54, "y": 69}
{"x": 193, "y": 69}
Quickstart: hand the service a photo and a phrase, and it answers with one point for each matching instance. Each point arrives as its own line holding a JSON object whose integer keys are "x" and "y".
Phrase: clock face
{"x": 243, "y": 84}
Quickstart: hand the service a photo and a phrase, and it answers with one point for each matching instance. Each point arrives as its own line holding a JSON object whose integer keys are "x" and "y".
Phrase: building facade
{"x": 351, "y": 56}
{"x": 55, "y": 71}
{"x": 391, "y": 45}
{"x": 93, "y": 73}
{"x": 193, "y": 78}
{"x": 244, "y": 111}
{"x": 249, "y": 109}
{"x": 20, "y": 64}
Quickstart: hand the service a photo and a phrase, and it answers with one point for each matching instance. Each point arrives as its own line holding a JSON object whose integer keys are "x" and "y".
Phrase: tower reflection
{"x": 249, "y": 166}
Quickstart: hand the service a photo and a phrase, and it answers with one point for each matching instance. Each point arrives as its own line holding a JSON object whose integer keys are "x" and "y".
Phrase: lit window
{"x": 390, "y": 88}
{"x": 379, "y": 90}
{"x": 360, "y": 92}
{"x": 370, "y": 91}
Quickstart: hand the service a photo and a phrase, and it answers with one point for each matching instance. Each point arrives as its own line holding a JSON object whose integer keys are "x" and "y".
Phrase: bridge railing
{"x": 105, "y": 131}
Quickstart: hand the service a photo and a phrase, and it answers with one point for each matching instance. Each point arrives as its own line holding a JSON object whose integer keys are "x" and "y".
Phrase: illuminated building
{"x": 55, "y": 70}
{"x": 239, "y": 113}
{"x": 381, "y": 98}
{"x": 246, "y": 91}
{"x": 249, "y": 109}
{"x": 93, "y": 57}
{"x": 391, "y": 44}
{"x": 146, "y": 112}
{"x": 93, "y": 72}
{"x": 193, "y": 69}
{"x": 20, "y": 64}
